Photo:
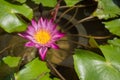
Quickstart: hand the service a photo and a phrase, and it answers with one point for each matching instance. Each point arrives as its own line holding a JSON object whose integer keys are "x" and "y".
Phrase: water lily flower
{"x": 42, "y": 35}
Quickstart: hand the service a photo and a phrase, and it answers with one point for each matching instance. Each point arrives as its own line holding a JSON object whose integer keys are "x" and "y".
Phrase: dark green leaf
{"x": 48, "y": 3}
{"x": 9, "y": 21}
{"x": 5, "y": 70}
{"x": 107, "y": 9}
{"x": 33, "y": 70}
{"x": 11, "y": 61}
{"x": 90, "y": 66}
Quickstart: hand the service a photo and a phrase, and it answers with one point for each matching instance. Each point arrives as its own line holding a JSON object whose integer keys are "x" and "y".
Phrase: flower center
{"x": 42, "y": 36}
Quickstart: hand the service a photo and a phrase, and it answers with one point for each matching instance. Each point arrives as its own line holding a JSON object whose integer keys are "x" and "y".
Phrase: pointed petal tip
{"x": 42, "y": 52}
{"x": 34, "y": 24}
{"x": 62, "y": 34}
{"x": 51, "y": 20}
{"x": 33, "y": 20}
{"x": 54, "y": 46}
{"x": 41, "y": 19}
{"x": 29, "y": 44}
{"x": 58, "y": 36}
{"x": 23, "y": 34}
{"x": 20, "y": 34}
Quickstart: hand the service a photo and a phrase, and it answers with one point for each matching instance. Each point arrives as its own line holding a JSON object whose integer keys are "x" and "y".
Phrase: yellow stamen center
{"x": 42, "y": 36}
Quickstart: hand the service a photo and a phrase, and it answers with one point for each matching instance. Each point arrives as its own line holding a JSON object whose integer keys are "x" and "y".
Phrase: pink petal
{"x": 29, "y": 44}
{"x": 52, "y": 27}
{"x": 42, "y": 52}
{"x": 22, "y": 34}
{"x": 27, "y": 36}
{"x": 37, "y": 45}
{"x": 51, "y": 24}
{"x": 30, "y": 30}
{"x": 34, "y": 24}
{"x": 51, "y": 21}
{"x": 41, "y": 23}
{"x": 58, "y": 36}
{"x": 54, "y": 46}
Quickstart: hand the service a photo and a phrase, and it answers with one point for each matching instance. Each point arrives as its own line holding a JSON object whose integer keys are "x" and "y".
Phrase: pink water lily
{"x": 42, "y": 35}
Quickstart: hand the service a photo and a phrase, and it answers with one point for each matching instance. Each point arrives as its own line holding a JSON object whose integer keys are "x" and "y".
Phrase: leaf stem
{"x": 55, "y": 11}
{"x": 85, "y": 36}
{"x": 5, "y": 49}
{"x": 56, "y": 71}
{"x": 80, "y": 21}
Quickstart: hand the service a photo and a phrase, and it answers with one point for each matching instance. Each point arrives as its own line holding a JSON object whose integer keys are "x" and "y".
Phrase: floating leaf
{"x": 107, "y": 9}
{"x": 48, "y": 3}
{"x": 115, "y": 42}
{"x": 91, "y": 66}
{"x": 112, "y": 55}
{"x": 8, "y": 19}
{"x": 113, "y": 26}
{"x": 45, "y": 77}
{"x": 72, "y": 2}
{"x": 21, "y": 1}
{"x": 33, "y": 70}
{"x": 11, "y": 61}
{"x": 56, "y": 79}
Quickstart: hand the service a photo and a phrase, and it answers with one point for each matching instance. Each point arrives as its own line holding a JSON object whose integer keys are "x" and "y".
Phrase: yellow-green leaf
{"x": 36, "y": 69}
{"x": 11, "y": 61}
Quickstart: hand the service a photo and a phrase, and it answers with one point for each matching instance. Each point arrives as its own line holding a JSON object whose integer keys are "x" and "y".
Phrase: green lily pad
{"x": 91, "y": 66}
{"x": 113, "y": 26}
{"x": 115, "y": 42}
{"x": 21, "y": 1}
{"x": 36, "y": 69}
{"x": 72, "y": 2}
{"x": 11, "y": 61}
{"x": 112, "y": 55}
{"x": 107, "y": 9}
{"x": 8, "y": 19}
{"x": 48, "y": 3}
